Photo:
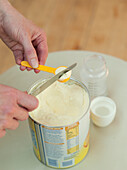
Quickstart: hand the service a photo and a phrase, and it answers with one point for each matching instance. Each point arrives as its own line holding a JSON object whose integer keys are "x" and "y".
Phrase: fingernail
{"x": 34, "y": 63}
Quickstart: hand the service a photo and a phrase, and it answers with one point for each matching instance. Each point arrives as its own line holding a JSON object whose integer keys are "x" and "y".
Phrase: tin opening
{"x": 35, "y": 89}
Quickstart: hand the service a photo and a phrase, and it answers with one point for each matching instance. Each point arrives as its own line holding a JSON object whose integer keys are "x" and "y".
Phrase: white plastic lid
{"x": 103, "y": 110}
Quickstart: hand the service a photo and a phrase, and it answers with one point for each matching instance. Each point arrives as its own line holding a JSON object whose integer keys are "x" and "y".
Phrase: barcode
{"x": 52, "y": 162}
{"x": 67, "y": 163}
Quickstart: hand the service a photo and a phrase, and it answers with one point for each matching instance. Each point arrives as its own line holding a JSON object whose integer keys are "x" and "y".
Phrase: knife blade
{"x": 52, "y": 80}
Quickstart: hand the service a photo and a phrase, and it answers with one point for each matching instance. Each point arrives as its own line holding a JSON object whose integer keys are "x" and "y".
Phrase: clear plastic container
{"x": 94, "y": 74}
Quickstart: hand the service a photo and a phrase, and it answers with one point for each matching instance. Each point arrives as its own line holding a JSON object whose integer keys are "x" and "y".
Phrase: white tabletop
{"x": 108, "y": 146}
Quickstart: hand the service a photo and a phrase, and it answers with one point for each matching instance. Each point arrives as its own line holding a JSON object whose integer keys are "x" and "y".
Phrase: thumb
{"x": 30, "y": 53}
{"x": 27, "y": 101}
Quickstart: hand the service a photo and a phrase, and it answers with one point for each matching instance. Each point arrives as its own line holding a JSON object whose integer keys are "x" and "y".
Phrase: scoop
{"x": 53, "y": 70}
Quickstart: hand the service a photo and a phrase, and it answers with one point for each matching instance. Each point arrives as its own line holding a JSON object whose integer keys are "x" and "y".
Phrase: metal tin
{"x": 61, "y": 146}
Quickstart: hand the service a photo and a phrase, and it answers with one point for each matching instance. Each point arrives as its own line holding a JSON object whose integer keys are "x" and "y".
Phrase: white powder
{"x": 64, "y": 76}
{"x": 61, "y": 104}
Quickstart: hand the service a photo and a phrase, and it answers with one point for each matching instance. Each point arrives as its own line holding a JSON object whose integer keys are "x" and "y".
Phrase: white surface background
{"x": 108, "y": 146}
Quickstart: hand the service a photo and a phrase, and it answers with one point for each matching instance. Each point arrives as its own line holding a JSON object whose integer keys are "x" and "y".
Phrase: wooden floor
{"x": 93, "y": 25}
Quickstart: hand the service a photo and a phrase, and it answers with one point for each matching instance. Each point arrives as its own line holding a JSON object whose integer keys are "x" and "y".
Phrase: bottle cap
{"x": 103, "y": 111}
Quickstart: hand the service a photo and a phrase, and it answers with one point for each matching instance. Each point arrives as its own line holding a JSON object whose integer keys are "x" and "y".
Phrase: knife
{"x": 52, "y": 80}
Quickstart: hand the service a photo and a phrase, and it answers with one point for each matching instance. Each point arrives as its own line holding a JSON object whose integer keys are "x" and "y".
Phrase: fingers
{"x": 30, "y": 53}
{"x": 34, "y": 51}
{"x": 36, "y": 71}
{"x": 42, "y": 51}
{"x": 40, "y": 43}
{"x": 18, "y": 56}
{"x": 29, "y": 69}
{"x": 20, "y": 113}
{"x": 22, "y": 68}
{"x": 10, "y": 111}
{"x": 27, "y": 101}
{"x": 9, "y": 123}
{"x": 2, "y": 133}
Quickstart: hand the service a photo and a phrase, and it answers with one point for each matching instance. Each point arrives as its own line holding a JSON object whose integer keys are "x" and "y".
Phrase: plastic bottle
{"x": 94, "y": 75}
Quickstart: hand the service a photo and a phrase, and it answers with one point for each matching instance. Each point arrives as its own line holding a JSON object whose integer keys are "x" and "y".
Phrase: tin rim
{"x": 73, "y": 79}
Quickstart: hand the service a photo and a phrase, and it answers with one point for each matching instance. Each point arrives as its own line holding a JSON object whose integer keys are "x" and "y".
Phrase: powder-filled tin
{"x": 61, "y": 146}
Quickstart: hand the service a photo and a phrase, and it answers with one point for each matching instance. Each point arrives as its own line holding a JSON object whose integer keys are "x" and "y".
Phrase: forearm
{"x": 4, "y": 8}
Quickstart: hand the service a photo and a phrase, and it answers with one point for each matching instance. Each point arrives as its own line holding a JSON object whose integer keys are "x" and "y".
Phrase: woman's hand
{"x": 14, "y": 106}
{"x": 27, "y": 41}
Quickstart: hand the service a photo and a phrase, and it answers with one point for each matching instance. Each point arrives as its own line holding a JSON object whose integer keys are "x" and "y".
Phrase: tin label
{"x": 61, "y": 147}
{"x": 72, "y": 137}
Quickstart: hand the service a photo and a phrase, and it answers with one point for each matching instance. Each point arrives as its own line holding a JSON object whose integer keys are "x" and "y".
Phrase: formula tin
{"x": 61, "y": 146}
